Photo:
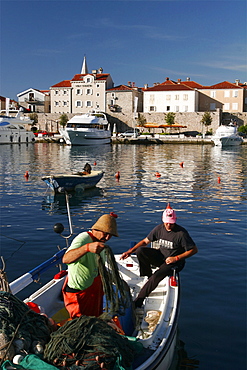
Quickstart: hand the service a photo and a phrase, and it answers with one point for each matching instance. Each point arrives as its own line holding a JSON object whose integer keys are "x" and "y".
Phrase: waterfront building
{"x": 170, "y": 96}
{"x": 83, "y": 93}
{"x": 35, "y": 100}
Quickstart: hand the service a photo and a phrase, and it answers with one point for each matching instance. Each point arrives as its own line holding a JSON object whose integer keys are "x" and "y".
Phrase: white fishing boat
{"x": 87, "y": 129}
{"x": 227, "y": 135}
{"x": 13, "y": 130}
{"x": 153, "y": 328}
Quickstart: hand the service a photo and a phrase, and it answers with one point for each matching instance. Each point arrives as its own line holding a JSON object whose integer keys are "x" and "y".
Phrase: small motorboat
{"x": 227, "y": 136}
{"x": 73, "y": 182}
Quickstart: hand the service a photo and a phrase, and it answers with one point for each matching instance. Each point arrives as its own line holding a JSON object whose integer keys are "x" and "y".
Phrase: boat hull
{"x": 227, "y": 141}
{"x": 76, "y": 137}
{"x": 11, "y": 133}
{"x": 73, "y": 182}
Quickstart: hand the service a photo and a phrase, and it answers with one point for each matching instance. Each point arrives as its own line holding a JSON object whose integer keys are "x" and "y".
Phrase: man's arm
{"x": 143, "y": 243}
{"x": 182, "y": 256}
{"x": 74, "y": 254}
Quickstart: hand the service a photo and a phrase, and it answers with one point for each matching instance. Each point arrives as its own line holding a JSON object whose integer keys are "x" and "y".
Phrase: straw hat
{"x": 107, "y": 223}
{"x": 169, "y": 215}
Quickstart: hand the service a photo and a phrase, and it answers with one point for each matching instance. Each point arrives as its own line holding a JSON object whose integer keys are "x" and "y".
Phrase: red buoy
{"x": 157, "y": 174}
{"x": 95, "y": 163}
{"x": 219, "y": 180}
{"x": 181, "y": 164}
{"x": 117, "y": 175}
{"x": 26, "y": 175}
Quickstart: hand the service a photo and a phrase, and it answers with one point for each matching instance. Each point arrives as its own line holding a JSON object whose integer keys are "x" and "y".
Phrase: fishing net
{"x": 18, "y": 321}
{"x": 117, "y": 294}
{"x": 86, "y": 342}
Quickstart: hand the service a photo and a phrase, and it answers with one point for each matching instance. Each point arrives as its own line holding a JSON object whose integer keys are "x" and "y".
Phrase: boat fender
{"x": 157, "y": 174}
{"x": 181, "y": 164}
{"x": 60, "y": 274}
{"x": 33, "y": 306}
{"x": 17, "y": 359}
{"x": 117, "y": 175}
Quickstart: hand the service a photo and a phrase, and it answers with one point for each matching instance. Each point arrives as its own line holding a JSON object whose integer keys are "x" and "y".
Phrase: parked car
{"x": 43, "y": 133}
{"x": 130, "y": 133}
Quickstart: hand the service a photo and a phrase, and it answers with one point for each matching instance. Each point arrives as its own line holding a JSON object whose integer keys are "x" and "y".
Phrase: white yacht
{"x": 87, "y": 129}
{"x": 12, "y": 129}
{"x": 227, "y": 135}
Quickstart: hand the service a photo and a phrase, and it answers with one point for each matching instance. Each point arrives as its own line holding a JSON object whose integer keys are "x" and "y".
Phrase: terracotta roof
{"x": 169, "y": 87}
{"x": 223, "y": 85}
{"x": 121, "y": 88}
{"x": 65, "y": 83}
{"x": 99, "y": 76}
{"x": 192, "y": 84}
{"x": 168, "y": 82}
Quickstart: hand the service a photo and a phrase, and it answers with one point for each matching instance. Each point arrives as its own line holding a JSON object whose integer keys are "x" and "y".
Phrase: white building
{"x": 83, "y": 93}
{"x": 35, "y": 100}
{"x": 170, "y": 96}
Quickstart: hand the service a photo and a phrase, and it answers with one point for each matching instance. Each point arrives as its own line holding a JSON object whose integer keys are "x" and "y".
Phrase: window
{"x": 227, "y": 94}
{"x": 64, "y": 92}
{"x": 56, "y": 104}
{"x": 185, "y": 97}
{"x": 212, "y": 106}
{"x": 88, "y": 79}
{"x": 89, "y": 103}
{"x": 78, "y": 91}
{"x": 168, "y": 97}
{"x": 177, "y": 108}
{"x": 98, "y": 85}
{"x": 168, "y": 108}
{"x": 56, "y": 92}
{"x": 226, "y": 106}
{"x": 176, "y": 97}
{"x": 213, "y": 94}
{"x": 97, "y": 94}
{"x": 152, "y": 108}
{"x": 186, "y": 108}
{"x": 235, "y": 94}
{"x": 89, "y": 92}
{"x": 78, "y": 103}
{"x": 234, "y": 106}
{"x": 64, "y": 103}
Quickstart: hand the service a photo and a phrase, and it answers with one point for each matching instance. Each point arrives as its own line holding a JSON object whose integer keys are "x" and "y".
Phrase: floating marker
{"x": 219, "y": 180}
{"x": 181, "y": 164}
{"x": 117, "y": 175}
{"x": 157, "y": 174}
{"x": 26, "y": 175}
{"x": 95, "y": 163}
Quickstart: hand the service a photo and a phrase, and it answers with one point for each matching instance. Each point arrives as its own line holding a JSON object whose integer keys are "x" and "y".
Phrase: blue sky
{"x": 44, "y": 42}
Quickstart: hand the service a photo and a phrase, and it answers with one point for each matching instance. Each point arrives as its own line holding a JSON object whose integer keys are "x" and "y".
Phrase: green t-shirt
{"x": 82, "y": 273}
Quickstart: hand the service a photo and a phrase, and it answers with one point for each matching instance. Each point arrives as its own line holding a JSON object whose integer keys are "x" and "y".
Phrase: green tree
{"x": 170, "y": 118}
{"x": 206, "y": 119}
{"x": 63, "y": 119}
{"x": 141, "y": 120}
{"x": 243, "y": 129}
{"x": 34, "y": 118}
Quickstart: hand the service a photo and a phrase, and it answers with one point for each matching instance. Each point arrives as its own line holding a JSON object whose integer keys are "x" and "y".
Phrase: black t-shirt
{"x": 173, "y": 242}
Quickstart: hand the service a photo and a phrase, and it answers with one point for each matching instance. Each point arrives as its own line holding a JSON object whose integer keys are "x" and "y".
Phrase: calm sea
{"x": 208, "y": 193}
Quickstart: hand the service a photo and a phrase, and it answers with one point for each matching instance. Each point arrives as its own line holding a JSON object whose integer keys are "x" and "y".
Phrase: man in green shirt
{"x": 83, "y": 290}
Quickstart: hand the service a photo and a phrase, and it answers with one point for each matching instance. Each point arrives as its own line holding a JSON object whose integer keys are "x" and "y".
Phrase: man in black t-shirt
{"x": 175, "y": 245}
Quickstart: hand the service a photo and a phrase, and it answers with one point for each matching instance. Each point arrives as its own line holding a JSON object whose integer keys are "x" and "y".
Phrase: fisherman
{"x": 83, "y": 290}
{"x": 175, "y": 246}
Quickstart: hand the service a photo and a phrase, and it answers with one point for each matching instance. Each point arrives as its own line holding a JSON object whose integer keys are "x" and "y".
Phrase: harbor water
{"x": 206, "y": 185}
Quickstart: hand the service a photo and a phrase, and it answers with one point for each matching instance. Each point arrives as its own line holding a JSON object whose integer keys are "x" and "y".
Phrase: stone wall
{"x": 124, "y": 121}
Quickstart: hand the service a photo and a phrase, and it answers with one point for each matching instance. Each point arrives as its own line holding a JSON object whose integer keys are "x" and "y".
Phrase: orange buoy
{"x": 219, "y": 180}
{"x": 26, "y": 175}
{"x": 181, "y": 164}
{"x": 157, "y": 174}
{"x": 95, "y": 163}
{"x": 117, "y": 175}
